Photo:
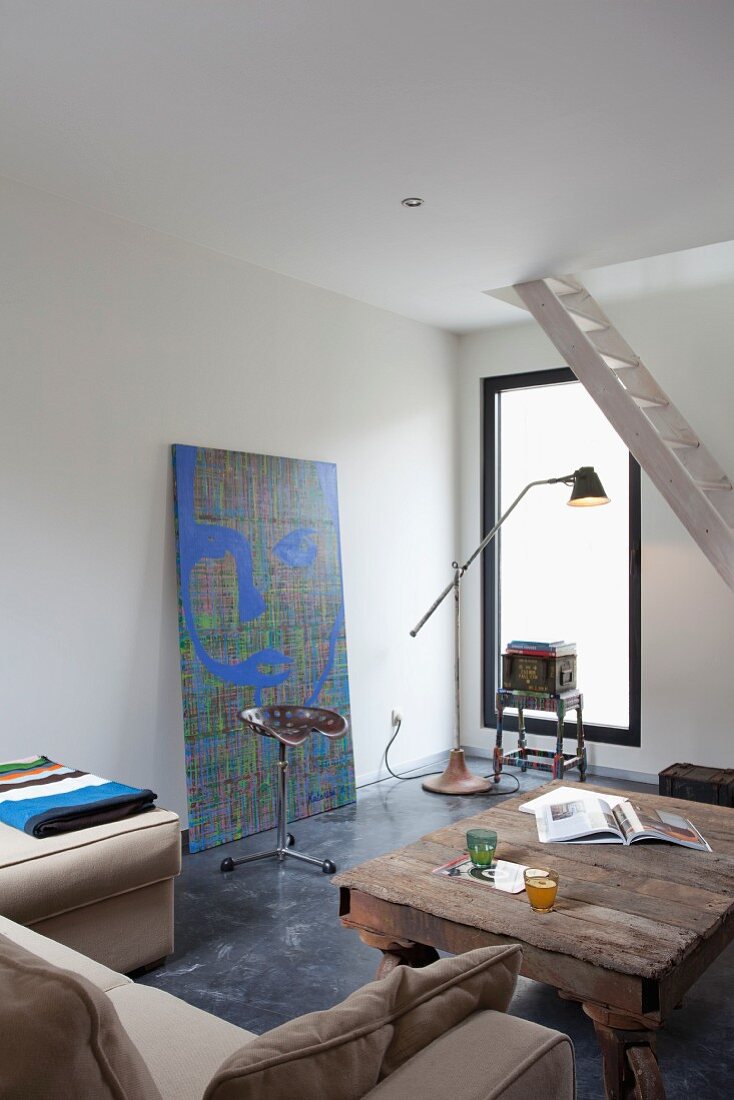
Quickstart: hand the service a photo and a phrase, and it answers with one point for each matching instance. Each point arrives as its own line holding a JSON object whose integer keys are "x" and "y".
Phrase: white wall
{"x": 119, "y": 341}
{"x": 686, "y": 339}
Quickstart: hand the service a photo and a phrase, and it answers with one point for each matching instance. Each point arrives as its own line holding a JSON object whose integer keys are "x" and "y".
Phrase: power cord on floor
{"x": 404, "y": 778}
{"x": 423, "y": 775}
{"x": 374, "y": 782}
{"x": 508, "y": 775}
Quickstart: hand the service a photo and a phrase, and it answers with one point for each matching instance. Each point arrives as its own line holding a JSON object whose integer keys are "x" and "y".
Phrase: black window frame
{"x": 608, "y": 735}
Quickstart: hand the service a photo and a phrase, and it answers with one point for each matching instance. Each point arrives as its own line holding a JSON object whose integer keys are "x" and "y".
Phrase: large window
{"x": 556, "y": 572}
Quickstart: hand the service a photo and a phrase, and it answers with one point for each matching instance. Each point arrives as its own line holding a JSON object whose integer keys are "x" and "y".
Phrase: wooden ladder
{"x": 662, "y": 441}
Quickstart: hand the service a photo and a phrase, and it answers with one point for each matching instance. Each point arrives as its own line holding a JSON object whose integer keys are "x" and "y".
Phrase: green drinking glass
{"x": 481, "y": 845}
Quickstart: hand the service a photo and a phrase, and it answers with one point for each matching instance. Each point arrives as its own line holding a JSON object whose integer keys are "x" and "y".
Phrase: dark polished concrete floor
{"x": 264, "y": 944}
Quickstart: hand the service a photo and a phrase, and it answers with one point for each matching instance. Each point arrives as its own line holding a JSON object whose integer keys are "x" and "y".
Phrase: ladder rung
{"x": 563, "y": 284}
{"x": 583, "y": 306}
{"x": 610, "y": 344}
{"x": 646, "y": 402}
{"x": 671, "y": 426}
{"x": 640, "y": 384}
{"x": 614, "y": 363}
{"x": 714, "y": 486}
{"x": 703, "y": 468}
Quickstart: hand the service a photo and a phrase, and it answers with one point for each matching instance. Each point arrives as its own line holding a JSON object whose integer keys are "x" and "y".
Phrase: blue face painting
{"x": 260, "y": 570}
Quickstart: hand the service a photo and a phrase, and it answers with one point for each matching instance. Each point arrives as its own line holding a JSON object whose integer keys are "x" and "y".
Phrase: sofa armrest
{"x": 59, "y": 955}
{"x": 489, "y": 1056}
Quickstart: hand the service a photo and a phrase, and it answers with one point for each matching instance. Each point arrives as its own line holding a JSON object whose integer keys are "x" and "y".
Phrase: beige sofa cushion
{"x": 59, "y": 955}
{"x": 182, "y": 1046}
{"x": 493, "y": 1056}
{"x": 60, "y": 1038}
{"x": 42, "y": 878}
{"x": 344, "y": 1052}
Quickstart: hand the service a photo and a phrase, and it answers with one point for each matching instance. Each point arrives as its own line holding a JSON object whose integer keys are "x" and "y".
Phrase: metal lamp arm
{"x": 460, "y": 570}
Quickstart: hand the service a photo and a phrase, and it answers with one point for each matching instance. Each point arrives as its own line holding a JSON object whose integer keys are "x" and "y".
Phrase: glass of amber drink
{"x": 541, "y": 886}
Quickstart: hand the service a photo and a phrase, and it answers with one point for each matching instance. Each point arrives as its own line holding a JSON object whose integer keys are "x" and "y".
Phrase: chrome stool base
{"x": 229, "y": 864}
{"x": 305, "y": 720}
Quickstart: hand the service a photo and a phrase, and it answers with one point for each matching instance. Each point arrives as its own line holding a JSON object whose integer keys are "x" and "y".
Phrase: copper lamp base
{"x": 457, "y": 779}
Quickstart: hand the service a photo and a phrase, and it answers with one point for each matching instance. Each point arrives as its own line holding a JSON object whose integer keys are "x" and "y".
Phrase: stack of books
{"x": 541, "y": 649}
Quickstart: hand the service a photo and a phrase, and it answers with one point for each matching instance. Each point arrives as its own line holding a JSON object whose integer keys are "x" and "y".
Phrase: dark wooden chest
{"x": 698, "y": 783}
{"x": 549, "y": 674}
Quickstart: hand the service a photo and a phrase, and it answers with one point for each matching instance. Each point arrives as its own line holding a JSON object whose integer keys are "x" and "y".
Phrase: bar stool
{"x": 289, "y": 725}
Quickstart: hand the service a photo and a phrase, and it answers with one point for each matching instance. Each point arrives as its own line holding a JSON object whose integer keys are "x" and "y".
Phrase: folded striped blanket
{"x": 43, "y": 798}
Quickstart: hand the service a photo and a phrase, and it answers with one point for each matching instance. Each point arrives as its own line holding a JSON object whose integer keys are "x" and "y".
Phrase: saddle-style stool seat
{"x": 289, "y": 725}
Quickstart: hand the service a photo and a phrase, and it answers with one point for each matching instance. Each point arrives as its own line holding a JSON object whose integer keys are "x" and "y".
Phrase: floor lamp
{"x": 587, "y": 491}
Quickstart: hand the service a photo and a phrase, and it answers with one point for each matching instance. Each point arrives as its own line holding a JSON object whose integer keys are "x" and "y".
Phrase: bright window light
{"x": 564, "y": 572}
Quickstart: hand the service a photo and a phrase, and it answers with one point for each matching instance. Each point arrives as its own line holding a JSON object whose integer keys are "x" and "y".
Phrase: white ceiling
{"x": 544, "y": 135}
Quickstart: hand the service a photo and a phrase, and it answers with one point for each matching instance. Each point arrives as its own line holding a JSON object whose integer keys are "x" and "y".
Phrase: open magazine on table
{"x": 592, "y": 820}
{"x": 567, "y": 794}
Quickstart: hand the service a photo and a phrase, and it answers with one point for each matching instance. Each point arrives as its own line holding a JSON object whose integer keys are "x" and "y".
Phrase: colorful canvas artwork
{"x": 261, "y": 619}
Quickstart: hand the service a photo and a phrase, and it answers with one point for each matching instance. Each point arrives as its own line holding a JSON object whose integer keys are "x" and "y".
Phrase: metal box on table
{"x": 548, "y": 674}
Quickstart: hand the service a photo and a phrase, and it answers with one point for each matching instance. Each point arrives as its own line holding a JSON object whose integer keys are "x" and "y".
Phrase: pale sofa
{"x": 84, "y": 1032}
{"x": 106, "y": 891}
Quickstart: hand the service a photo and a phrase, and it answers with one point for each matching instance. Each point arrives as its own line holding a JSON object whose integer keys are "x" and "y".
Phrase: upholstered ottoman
{"x": 105, "y": 891}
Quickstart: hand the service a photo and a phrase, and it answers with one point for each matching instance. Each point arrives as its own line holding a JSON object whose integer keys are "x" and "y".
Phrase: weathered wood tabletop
{"x": 633, "y": 927}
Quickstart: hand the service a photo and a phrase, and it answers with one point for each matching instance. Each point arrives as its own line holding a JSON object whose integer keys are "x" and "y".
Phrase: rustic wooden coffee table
{"x": 633, "y": 927}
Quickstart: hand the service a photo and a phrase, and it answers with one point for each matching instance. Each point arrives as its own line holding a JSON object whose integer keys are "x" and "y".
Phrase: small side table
{"x": 558, "y": 762}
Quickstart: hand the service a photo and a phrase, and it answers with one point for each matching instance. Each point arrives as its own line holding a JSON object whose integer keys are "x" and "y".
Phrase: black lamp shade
{"x": 588, "y": 490}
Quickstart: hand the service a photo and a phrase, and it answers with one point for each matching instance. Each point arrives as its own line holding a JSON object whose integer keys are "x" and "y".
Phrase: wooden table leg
{"x": 643, "y": 1062}
{"x": 629, "y": 1058}
{"x": 397, "y": 952}
{"x": 417, "y": 955}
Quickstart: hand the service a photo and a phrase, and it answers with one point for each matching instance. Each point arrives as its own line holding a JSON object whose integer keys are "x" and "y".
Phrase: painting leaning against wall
{"x": 261, "y": 621}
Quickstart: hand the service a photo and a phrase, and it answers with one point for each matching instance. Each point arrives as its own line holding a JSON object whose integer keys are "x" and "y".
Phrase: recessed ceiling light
{"x": 411, "y": 202}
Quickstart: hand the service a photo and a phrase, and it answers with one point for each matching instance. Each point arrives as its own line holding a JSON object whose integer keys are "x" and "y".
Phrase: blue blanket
{"x": 44, "y": 798}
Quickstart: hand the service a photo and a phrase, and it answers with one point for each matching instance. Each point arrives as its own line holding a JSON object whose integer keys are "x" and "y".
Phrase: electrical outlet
{"x": 397, "y": 715}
